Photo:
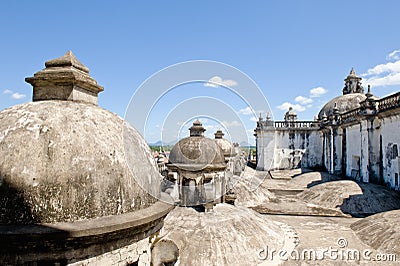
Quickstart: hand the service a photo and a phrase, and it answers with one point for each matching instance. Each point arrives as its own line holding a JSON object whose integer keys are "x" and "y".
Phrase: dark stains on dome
{"x": 343, "y": 103}
{"x": 197, "y": 152}
{"x": 64, "y": 159}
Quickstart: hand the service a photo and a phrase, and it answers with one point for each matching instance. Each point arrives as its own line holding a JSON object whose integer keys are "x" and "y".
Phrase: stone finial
{"x": 219, "y": 134}
{"x": 324, "y": 117}
{"x": 67, "y": 60}
{"x": 260, "y": 118}
{"x": 369, "y": 93}
{"x": 335, "y": 109}
{"x": 197, "y": 129}
{"x": 66, "y": 79}
{"x": 369, "y": 106}
{"x": 352, "y": 73}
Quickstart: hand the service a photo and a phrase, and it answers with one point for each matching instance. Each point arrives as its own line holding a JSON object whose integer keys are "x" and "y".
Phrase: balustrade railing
{"x": 296, "y": 124}
{"x": 389, "y": 102}
{"x": 381, "y": 105}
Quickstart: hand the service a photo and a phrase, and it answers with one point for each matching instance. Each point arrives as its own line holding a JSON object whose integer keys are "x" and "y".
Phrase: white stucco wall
{"x": 283, "y": 149}
{"x": 315, "y": 149}
{"x": 353, "y": 148}
{"x": 372, "y": 150}
{"x": 390, "y": 132}
{"x": 265, "y": 149}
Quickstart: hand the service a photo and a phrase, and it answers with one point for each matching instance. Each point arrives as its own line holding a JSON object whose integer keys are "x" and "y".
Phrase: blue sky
{"x": 298, "y": 52}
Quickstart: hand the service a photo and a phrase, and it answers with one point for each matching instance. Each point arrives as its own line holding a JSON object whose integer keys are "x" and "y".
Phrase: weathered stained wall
{"x": 297, "y": 148}
{"x": 355, "y": 135}
{"x": 372, "y": 148}
{"x": 265, "y": 145}
{"x": 390, "y": 129}
{"x": 326, "y": 143}
{"x": 289, "y": 148}
{"x": 353, "y": 151}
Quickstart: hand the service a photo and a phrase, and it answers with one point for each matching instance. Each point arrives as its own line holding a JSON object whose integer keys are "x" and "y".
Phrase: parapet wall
{"x": 124, "y": 238}
{"x": 288, "y": 145}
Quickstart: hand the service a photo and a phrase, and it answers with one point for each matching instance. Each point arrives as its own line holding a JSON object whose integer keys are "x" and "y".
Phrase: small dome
{"x": 344, "y": 103}
{"x": 353, "y": 95}
{"x": 197, "y": 152}
{"x": 226, "y": 147}
{"x": 63, "y": 161}
{"x": 224, "y": 144}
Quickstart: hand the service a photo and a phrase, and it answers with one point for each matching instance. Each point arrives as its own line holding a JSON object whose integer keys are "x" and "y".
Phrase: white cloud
{"x": 246, "y": 111}
{"x": 395, "y": 55}
{"x": 317, "y": 92}
{"x": 297, "y": 107}
{"x": 384, "y": 74}
{"x": 15, "y": 95}
{"x": 217, "y": 81}
{"x": 253, "y": 119}
{"x": 234, "y": 123}
{"x": 211, "y": 129}
{"x": 388, "y": 80}
{"x": 18, "y": 96}
{"x": 390, "y": 67}
{"x": 303, "y": 100}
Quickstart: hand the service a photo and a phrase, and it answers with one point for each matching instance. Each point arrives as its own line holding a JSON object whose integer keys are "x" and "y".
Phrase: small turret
{"x": 352, "y": 83}
{"x": 197, "y": 130}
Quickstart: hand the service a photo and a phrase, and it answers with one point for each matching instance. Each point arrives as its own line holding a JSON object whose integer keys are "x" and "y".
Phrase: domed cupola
{"x": 199, "y": 163}
{"x": 353, "y": 95}
{"x": 63, "y": 157}
{"x": 197, "y": 152}
{"x": 225, "y": 144}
